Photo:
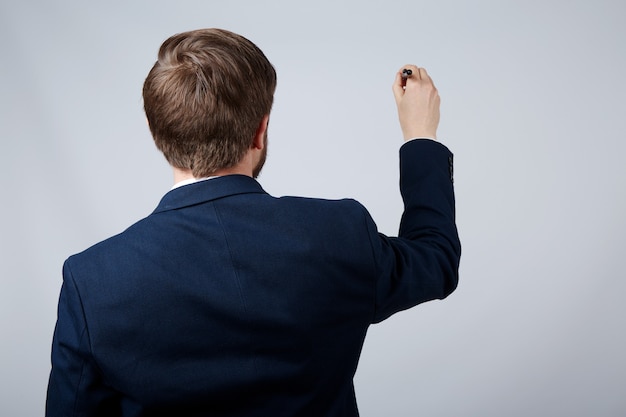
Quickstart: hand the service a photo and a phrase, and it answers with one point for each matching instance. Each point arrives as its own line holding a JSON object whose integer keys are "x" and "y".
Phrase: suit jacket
{"x": 226, "y": 301}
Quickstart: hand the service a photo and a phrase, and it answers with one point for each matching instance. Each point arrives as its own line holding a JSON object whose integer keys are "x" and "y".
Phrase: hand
{"x": 418, "y": 101}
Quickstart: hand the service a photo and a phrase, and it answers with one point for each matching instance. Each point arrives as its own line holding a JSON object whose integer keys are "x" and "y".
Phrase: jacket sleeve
{"x": 421, "y": 264}
{"x": 75, "y": 387}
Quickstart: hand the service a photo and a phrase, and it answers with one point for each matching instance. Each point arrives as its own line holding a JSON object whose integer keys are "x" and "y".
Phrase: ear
{"x": 259, "y": 137}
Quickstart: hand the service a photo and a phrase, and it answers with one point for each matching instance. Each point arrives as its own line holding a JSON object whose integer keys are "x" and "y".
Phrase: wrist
{"x": 417, "y": 134}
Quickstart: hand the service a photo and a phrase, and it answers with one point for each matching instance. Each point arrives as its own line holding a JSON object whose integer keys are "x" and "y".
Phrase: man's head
{"x": 205, "y": 98}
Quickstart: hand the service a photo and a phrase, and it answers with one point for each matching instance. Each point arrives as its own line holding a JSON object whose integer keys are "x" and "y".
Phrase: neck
{"x": 182, "y": 175}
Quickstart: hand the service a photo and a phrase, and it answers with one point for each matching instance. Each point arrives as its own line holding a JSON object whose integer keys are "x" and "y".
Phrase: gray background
{"x": 532, "y": 106}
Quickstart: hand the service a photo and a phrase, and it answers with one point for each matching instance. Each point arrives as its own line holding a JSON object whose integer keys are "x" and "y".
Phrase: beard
{"x": 259, "y": 165}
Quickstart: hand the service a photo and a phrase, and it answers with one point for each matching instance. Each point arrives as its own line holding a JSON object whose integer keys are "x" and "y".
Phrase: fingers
{"x": 417, "y": 75}
{"x": 415, "y": 72}
{"x": 424, "y": 76}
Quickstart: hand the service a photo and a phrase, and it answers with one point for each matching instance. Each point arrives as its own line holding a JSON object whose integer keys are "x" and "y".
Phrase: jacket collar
{"x": 203, "y": 191}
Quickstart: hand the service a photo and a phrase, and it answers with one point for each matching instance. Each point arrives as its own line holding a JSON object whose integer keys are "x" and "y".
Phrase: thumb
{"x": 398, "y": 87}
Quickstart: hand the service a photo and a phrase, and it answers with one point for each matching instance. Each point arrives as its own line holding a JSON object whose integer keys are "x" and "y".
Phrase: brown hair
{"x": 205, "y": 97}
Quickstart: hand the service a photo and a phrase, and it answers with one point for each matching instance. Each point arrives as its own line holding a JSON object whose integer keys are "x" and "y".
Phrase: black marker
{"x": 406, "y": 73}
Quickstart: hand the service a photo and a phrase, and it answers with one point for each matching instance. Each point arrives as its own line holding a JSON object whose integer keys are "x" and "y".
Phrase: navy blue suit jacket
{"x": 226, "y": 301}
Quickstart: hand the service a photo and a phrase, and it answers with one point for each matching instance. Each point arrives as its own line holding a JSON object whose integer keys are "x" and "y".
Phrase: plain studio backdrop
{"x": 533, "y": 107}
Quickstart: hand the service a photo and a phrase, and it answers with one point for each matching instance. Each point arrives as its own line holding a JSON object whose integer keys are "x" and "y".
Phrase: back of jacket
{"x": 227, "y": 301}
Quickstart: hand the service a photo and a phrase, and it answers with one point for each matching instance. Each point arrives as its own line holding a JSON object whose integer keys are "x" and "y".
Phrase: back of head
{"x": 205, "y": 98}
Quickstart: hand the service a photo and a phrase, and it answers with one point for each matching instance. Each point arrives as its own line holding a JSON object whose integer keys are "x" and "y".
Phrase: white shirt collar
{"x": 191, "y": 181}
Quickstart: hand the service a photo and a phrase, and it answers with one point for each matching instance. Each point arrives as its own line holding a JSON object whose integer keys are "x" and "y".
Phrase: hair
{"x": 205, "y": 98}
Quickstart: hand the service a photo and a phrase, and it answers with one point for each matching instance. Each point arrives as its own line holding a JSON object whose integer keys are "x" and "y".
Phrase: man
{"x": 226, "y": 301}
